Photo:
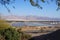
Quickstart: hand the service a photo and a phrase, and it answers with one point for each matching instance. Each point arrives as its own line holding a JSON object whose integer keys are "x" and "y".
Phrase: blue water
{"x": 18, "y": 24}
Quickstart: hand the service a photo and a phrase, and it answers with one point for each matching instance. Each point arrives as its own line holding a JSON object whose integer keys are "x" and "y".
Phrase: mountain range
{"x": 30, "y": 18}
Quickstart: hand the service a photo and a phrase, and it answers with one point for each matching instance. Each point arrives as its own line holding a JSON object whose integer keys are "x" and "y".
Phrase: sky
{"x": 26, "y": 9}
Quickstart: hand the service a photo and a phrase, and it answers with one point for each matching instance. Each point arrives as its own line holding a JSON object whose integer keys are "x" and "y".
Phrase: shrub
{"x": 10, "y": 34}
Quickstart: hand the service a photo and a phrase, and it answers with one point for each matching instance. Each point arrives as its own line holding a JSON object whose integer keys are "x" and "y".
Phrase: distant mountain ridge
{"x": 31, "y": 18}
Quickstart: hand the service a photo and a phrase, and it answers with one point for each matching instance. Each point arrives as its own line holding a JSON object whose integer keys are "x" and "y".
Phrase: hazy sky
{"x": 24, "y": 9}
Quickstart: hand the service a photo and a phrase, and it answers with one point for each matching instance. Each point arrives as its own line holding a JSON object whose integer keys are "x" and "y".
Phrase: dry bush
{"x": 4, "y": 24}
{"x": 1, "y": 37}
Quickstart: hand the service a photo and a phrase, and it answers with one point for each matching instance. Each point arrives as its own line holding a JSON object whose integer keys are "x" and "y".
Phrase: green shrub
{"x": 10, "y": 34}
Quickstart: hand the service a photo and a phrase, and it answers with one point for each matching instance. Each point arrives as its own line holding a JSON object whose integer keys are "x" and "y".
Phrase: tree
{"x": 34, "y": 3}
